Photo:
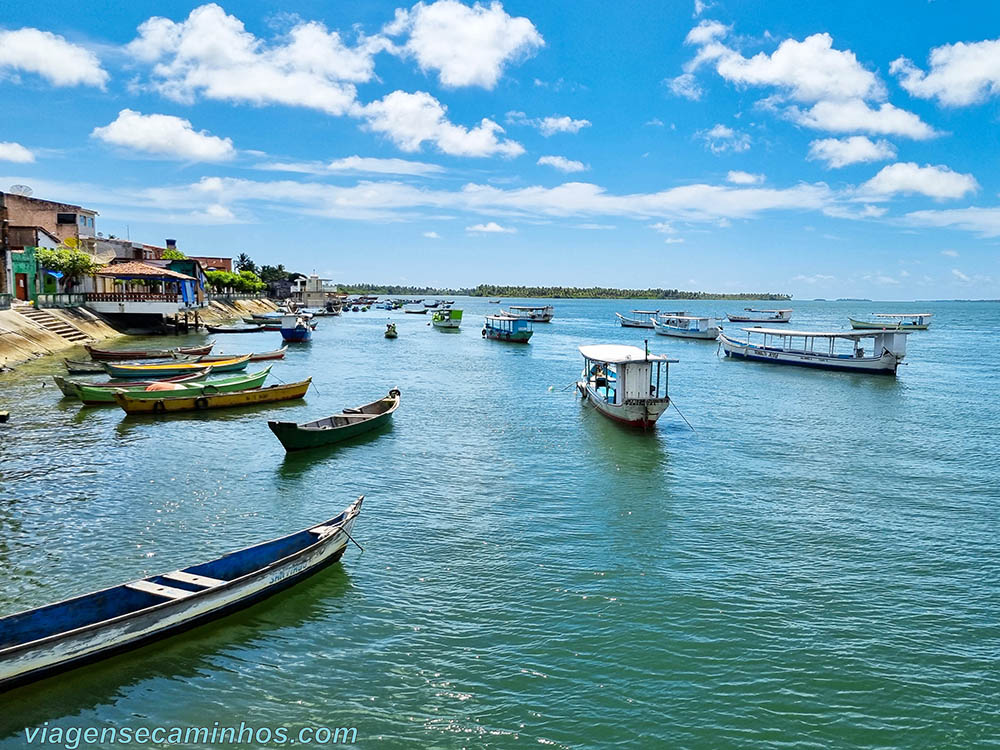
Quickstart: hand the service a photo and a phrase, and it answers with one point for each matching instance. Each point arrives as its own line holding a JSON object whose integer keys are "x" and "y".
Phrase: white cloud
{"x": 663, "y": 227}
{"x": 721, "y": 139}
{"x": 15, "y": 152}
{"x": 960, "y": 74}
{"x": 908, "y": 178}
{"x": 465, "y": 46}
{"x": 562, "y": 163}
{"x": 674, "y": 240}
{"x": 856, "y": 149}
{"x": 950, "y": 253}
{"x": 561, "y": 124}
{"x": 211, "y": 54}
{"x": 814, "y": 279}
{"x": 700, "y": 6}
{"x": 736, "y": 177}
{"x": 982, "y": 221}
{"x": 50, "y": 56}
{"x": 706, "y": 32}
{"x": 855, "y": 115}
{"x": 656, "y": 122}
{"x": 432, "y": 235}
{"x": 356, "y": 164}
{"x": 960, "y": 276}
{"x": 410, "y": 120}
{"x": 490, "y": 227}
{"x": 164, "y": 135}
{"x": 596, "y": 227}
{"x": 686, "y": 86}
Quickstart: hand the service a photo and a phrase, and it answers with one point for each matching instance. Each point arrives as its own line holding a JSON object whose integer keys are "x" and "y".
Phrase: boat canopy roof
{"x": 902, "y": 315}
{"x": 505, "y": 317}
{"x": 529, "y": 307}
{"x": 822, "y": 334}
{"x": 616, "y": 354}
{"x": 689, "y": 317}
{"x": 754, "y": 309}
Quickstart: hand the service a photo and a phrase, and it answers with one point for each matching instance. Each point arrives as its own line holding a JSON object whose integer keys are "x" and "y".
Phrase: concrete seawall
{"x": 23, "y": 339}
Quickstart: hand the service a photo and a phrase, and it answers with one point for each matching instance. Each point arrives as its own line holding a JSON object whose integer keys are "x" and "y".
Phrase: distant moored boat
{"x": 752, "y": 315}
{"x": 895, "y": 322}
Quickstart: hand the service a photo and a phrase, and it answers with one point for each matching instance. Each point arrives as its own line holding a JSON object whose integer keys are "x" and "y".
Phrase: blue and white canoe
{"x": 39, "y": 642}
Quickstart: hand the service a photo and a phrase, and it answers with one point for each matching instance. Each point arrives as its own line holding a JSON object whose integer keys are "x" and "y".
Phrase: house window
{"x": 66, "y": 218}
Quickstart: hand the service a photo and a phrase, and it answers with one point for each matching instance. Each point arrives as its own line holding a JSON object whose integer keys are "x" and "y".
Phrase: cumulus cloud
{"x": 950, "y": 253}
{"x": 490, "y": 227}
{"x": 855, "y": 115}
{"x": 51, "y": 57}
{"x": 722, "y": 139}
{"x": 960, "y": 74}
{"x": 562, "y": 163}
{"x": 984, "y": 221}
{"x": 844, "y": 151}
{"x": 908, "y": 178}
{"x": 410, "y": 120}
{"x": 15, "y": 152}
{"x": 686, "y": 86}
{"x": 356, "y": 164}
{"x": 211, "y": 54}
{"x": 737, "y": 177}
{"x": 432, "y": 235}
{"x": 548, "y": 125}
{"x": 464, "y": 46}
{"x": 164, "y": 135}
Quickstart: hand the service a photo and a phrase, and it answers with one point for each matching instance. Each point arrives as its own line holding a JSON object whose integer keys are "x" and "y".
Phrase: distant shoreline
{"x": 532, "y": 292}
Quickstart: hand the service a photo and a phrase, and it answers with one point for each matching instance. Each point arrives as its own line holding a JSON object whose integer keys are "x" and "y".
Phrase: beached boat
{"x": 349, "y": 423}
{"x": 82, "y": 367}
{"x": 687, "y": 327}
{"x": 235, "y": 329}
{"x": 40, "y": 642}
{"x": 447, "y": 319}
{"x": 819, "y": 349}
{"x": 254, "y": 357}
{"x": 625, "y": 383}
{"x": 506, "y": 328}
{"x": 134, "y": 354}
{"x": 160, "y": 389}
{"x": 295, "y": 329}
{"x": 536, "y": 314}
{"x": 166, "y": 370}
{"x": 640, "y": 318}
{"x": 390, "y": 331}
{"x": 271, "y": 394}
{"x": 752, "y": 315}
{"x": 71, "y": 388}
{"x": 894, "y": 321}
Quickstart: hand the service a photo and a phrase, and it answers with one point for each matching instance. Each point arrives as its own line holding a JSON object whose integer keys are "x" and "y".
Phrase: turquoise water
{"x": 814, "y": 565}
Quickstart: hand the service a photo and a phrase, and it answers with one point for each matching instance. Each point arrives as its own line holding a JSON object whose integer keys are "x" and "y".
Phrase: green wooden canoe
{"x": 184, "y": 390}
{"x": 334, "y": 429}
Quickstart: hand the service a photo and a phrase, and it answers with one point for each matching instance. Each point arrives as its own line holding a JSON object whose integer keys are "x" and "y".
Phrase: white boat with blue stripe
{"x": 822, "y": 349}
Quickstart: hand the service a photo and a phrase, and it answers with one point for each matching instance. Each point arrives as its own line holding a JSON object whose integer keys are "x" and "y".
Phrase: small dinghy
{"x": 235, "y": 329}
{"x": 390, "y": 331}
{"x": 133, "y": 354}
{"x": 71, "y": 388}
{"x": 329, "y": 430}
{"x": 39, "y": 642}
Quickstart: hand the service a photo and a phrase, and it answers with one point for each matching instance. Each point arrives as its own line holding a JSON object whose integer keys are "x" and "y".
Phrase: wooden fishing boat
{"x": 447, "y": 319}
{"x": 753, "y": 315}
{"x": 234, "y": 329}
{"x": 894, "y": 322}
{"x": 390, "y": 331}
{"x": 133, "y": 354}
{"x": 641, "y": 318}
{"x": 687, "y": 327}
{"x": 82, "y": 367}
{"x": 152, "y": 371}
{"x": 334, "y": 429}
{"x": 40, "y": 642}
{"x": 296, "y": 329}
{"x": 157, "y": 388}
{"x": 269, "y": 395}
{"x": 536, "y": 313}
{"x": 625, "y": 383}
{"x": 818, "y": 349}
{"x": 255, "y": 357}
{"x": 506, "y": 328}
{"x": 415, "y": 310}
{"x": 71, "y": 388}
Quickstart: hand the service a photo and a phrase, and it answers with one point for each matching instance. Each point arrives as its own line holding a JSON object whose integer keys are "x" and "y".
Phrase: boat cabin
{"x": 625, "y": 375}
{"x": 507, "y": 328}
{"x": 692, "y": 323}
{"x": 537, "y": 313}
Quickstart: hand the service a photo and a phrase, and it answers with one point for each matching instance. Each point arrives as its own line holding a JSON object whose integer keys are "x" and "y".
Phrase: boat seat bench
{"x": 196, "y": 580}
{"x": 157, "y": 589}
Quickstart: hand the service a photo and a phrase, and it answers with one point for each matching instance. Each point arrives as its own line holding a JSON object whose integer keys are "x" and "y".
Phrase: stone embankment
{"x": 27, "y": 333}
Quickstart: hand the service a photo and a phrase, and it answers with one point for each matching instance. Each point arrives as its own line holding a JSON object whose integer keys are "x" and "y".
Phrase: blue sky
{"x": 819, "y": 149}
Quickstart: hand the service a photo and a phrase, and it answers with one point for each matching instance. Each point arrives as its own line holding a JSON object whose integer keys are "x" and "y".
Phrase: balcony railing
{"x": 61, "y": 300}
{"x": 131, "y": 297}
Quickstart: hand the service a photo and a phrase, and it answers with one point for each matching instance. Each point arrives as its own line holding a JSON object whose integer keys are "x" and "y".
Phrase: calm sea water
{"x": 814, "y": 565}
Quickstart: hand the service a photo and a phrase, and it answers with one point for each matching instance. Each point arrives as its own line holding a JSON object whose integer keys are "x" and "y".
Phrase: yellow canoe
{"x": 142, "y": 371}
{"x": 218, "y": 401}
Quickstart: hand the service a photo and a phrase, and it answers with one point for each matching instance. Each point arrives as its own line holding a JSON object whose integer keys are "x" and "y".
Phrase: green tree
{"x": 245, "y": 263}
{"x": 172, "y": 253}
{"x": 73, "y": 263}
{"x": 273, "y": 273}
{"x": 248, "y": 282}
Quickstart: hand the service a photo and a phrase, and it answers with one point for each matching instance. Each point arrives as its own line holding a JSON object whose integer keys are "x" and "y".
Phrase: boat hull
{"x": 885, "y": 364}
{"x": 295, "y": 437}
{"x": 758, "y": 319}
{"x": 867, "y": 325}
{"x": 517, "y": 337}
{"x": 269, "y": 395}
{"x": 683, "y": 333}
{"x": 35, "y": 660}
{"x": 226, "y": 385}
{"x": 633, "y": 322}
{"x": 446, "y": 324}
{"x": 637, "y": 415}
{"x": 152, "y": 372}
{"x": 122, "y": 354}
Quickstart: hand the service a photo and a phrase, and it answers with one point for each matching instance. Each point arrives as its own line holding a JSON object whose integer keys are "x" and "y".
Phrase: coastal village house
{"x": 134, "y": 284}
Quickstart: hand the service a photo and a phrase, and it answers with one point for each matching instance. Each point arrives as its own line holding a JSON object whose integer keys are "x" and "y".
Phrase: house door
{"x": 21, "y": 286}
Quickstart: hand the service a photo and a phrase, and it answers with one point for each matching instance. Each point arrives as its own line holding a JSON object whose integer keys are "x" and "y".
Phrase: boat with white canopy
{"x": 825, "y": 349}
{"x": 536, "y": 313}
{"x": 687, "y": 327}
{"x": 641, "y": 318}
{"x": 753, "y": 315}
{"x": 625, "y": 383}
{"x": 894, "y": 321}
